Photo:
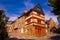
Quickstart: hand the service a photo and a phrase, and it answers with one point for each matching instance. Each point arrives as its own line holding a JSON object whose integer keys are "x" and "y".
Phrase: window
{"x": 39, "y": 21}
{"x": 26, "y": 30}
{"x": 38, "y": 9}
{"x": 22, "y": 30}
{"x": 10, "y": 28}
{"x": 15, "y": 28}
{"x": 33, "y": 20}
{"x": 25, "y": 22}
{"x": 46, "y": 30}
{"x": 42, "y": 22}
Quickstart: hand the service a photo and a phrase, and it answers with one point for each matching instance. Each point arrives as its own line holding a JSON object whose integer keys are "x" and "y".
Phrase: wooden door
{"x": 40, "y": 31}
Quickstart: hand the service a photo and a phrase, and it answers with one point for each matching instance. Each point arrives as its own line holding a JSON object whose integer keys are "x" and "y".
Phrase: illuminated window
{"x": 42, "y": 22}
{"x": 10, "y": 28}
{"x": 25, "y": 22}
{"x": 33, "y": 20}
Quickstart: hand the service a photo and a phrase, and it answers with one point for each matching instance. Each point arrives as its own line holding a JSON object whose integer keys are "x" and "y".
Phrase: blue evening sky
{"x": 14, "y": 8}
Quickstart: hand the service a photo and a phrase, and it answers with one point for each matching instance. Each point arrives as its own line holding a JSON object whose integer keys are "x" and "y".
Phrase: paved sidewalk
{"x": 47, "y": 37}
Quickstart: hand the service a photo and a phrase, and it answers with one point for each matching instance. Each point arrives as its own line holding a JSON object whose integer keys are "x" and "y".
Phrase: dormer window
{"x": 38, "y": 9}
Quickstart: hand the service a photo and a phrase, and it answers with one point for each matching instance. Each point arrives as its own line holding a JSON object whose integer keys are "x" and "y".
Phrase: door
{"x": 40, "y": 31}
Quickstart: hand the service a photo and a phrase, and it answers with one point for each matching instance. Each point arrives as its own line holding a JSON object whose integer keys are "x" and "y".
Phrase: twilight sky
{"x": 14, "y": 8}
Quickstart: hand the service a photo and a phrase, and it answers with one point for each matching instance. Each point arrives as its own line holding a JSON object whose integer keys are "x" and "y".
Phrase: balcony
{"x": 35, "y": 23}
{"x": 34, "y": 16}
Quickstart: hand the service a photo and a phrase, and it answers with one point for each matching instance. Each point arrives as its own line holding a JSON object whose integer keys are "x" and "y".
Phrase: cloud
{"x": 13, "y": 17}
{"x": 28, "y": 4}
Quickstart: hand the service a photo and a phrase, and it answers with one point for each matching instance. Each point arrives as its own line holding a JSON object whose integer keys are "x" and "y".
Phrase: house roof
{"x": 38, "y": 8}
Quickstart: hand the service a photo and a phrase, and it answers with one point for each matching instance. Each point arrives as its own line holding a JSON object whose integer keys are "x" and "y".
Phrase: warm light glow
{"x": 46, "y": 25}
{"x": 33, "y": 20}
{"x": 46, "y": 30}
{"x": 10, "y": 27}
{"x": 25, "y": 22}
{"x": 22, "y": 30}
{"x": 42, "y": 22}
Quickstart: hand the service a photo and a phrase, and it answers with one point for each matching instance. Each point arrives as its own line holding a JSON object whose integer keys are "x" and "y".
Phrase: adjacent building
{"x": 51, "y": 25}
